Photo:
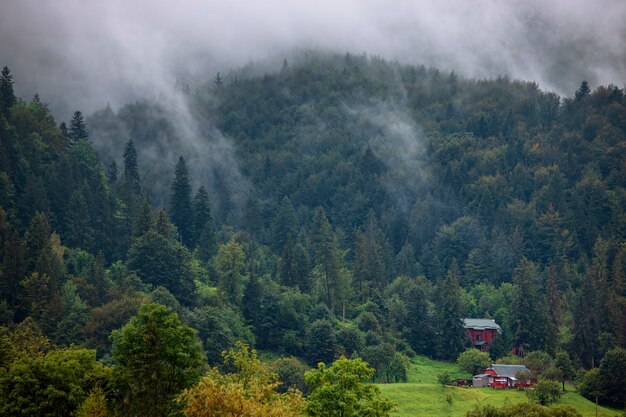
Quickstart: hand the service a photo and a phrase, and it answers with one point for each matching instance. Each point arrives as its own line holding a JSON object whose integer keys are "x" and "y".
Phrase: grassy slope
{"x": 423, "y": 396}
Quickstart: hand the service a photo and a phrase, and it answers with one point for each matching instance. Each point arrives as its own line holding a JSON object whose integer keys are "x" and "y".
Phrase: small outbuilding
{"x": 480, "y": 381}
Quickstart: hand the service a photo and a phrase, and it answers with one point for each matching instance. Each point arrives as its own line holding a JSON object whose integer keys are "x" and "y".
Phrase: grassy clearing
{"x": 423, "y": 396}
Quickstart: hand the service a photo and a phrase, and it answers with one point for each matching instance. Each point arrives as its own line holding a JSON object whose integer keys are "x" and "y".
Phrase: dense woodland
{"x": 350, "y": 206}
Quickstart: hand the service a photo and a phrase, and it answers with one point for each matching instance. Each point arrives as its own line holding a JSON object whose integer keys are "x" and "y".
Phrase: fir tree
{"x": 531, "y": 320}
{"x": 78, "y": 130}
{"x": 450, "y": 326}
{"x": 7, "y": 96}
{"x": 181, "y": 211}
{"x": 132, "y": 183}
{"x": 112, "y": 172}
{"x": 201, "y": 215}
{"x": 287, "y": 264}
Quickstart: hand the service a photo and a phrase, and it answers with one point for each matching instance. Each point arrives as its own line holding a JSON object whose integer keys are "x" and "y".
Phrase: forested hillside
{"x": 337, "y": 205}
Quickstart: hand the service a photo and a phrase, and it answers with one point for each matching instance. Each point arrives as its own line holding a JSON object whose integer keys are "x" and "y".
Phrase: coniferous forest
{"x": 335, "y": 205}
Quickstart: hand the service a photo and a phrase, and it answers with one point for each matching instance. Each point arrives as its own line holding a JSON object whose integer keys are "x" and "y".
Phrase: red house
{"x": 508, "y": 376}
{"x": 481, "y": 332}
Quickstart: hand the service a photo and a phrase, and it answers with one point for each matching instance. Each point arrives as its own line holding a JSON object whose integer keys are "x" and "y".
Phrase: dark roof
{"x": 481, "y": 324}
{"x": 509, "y": 370}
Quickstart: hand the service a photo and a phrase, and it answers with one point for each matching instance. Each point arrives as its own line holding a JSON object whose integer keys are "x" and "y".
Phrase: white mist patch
{"x": 400, "y": 144}
{"x": 81, "y": 55}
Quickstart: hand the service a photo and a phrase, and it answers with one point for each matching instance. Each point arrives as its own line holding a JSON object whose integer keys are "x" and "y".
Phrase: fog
{"x": 78, "y": 54}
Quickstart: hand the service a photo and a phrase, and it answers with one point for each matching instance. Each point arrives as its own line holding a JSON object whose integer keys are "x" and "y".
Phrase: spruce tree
{"x": 530, "y": 316}
{"x": 450, "y": 325}
{"x": 328, "y": 260}
{"x": 181, "y": 211}
{"x": 201, "y": 215}
{"x": 419, "y": 330}
{"x": 132, "y": 183}
{"x": 287, "y": 264}
{"x": 284, "y": 224}
{"x": 7, "y": 96}
{"x": 78, "y": 130}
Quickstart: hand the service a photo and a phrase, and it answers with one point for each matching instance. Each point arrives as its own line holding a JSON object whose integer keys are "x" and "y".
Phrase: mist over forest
{"x": 200, "y": 203}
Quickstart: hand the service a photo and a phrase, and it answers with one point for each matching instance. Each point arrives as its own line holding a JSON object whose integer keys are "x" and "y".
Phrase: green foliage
{"x": 7, "y": 97}
{"x": 159, "y": 260}
{"x": 181, "y": 210}
{"x": 290, "y": 373}
{"x": 78, "y": 130}
{"x": 248, "y": 390}
{"x": 95, "y": 404}
{"x": 321, "y": 342}
{"x": 55, "y": 383}
{"x": 529, "y": 311}
{"x": 231, "y": 272}
{"x": 340, "y": 390}
{"x": 564, "y": 364}
{"x": 545, "y": 392}
{"x": 473, "y": 361}
{"x": 524, "y": 410}
{"x": 591, "y": 385}
{"x": 451, "y": 334}
{"x": 219, "y": 329}
{"x": 612, "y": 376}
{"x": 444, "y": 378}
{"x": 157, "y": 357}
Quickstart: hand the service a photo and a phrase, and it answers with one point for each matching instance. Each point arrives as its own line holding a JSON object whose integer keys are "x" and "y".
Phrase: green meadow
{"x": 422, "y": 395}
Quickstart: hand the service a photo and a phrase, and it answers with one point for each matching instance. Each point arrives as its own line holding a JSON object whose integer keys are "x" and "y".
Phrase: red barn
{"x": 481, "y": 332}
{"x": 509, "y": 376}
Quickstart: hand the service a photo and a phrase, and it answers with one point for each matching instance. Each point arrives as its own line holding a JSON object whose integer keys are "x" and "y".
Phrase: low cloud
{"x": 85, "y": 54}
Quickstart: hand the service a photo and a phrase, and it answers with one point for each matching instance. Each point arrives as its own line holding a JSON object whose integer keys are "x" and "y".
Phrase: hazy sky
{"x": 83, "y": 54}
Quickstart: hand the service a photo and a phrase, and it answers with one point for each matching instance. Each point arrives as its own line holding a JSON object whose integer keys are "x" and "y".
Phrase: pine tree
{"x": 181, "y": 211}
{"x": 284, "y": 224}
{"x": 132, "y": 183}
{"x": 419, "y": 330}
{"x": 201, "y": 215}
{"x": 79, "y": 232}
{"x": 7, "y": 96}
{"x": 583, "y": 91}
{"x": 451, "y": 333}
{"x": 143, "y": 219}
{"x": 219, "y": 82}
{"x": 78, "y": 129}
{"x": 287, "y": 264}
{"x": 328, "y": 260}
{"x": 531, "y": 321}
{"x": 370, "y": 267}
{"x": 112, "y": 172}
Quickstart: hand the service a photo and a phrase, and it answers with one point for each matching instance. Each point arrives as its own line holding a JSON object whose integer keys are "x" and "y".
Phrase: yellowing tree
{"x": 250, "y": 391}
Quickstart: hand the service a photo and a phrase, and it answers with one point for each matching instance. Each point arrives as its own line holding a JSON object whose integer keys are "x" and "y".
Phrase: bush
{"x": 545, "y": 392}
{"x": 290, "y": 373}
{"x": 444, "y": 378}
{"x": 473, "y": 361}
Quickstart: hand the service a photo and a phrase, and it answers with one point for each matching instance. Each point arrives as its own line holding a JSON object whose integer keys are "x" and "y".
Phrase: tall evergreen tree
{"x": 7, "y": 96}
{"x": 451, "y": 334}
{"x": 287, "y": 265}
{"x": 78, "y": 129}
{"x": 530, "y": 317}
{"x": 230, "y": 264}
{"x": 132, "y": 183}
{"x": 181, "y": 211}
{"x": 328, "y": 260}
{"x": 79, "y": 231}
{"x": 284, "y": 224}
{"x": 370, "y": 268}
{"x": 419, "y": 330}
{"x": 201, "y": 215}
